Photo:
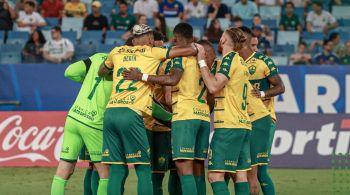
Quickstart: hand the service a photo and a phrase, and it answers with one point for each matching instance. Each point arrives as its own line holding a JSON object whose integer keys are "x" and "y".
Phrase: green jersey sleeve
{"x": 78, "y": 70}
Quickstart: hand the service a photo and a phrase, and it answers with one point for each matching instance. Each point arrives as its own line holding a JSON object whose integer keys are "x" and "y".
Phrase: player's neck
{"x": 226, "y": 50}
{"x": 245, "y": 53}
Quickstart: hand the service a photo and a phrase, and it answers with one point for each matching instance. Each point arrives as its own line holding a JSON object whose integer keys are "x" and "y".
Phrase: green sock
{"x": 157, "y": 179}
{"x": 174, "y": 185}
{"x": 242, "y": 188}
{"x": 117, "y": 177}
{"x": 94, "y": 182}
{"x": 87, "y": 182}
{"x": 265, "y": 181}
{"x": 220, "y": 188}
{"x": 102, "y": 187}
{"x": 58, "y": 185}
{"x": 144, "y": 179}
{"x": 188, "y": 185}
{"x": 200, "y": 183}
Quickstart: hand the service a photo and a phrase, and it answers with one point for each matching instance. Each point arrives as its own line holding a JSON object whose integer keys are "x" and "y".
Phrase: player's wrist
{"x": 262, "y": 94}
{"x": 202, "y": 64}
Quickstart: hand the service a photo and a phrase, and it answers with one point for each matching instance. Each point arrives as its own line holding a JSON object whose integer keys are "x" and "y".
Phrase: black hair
{"x": 123, "y": 3}
{"x": 57, "y": 28}
{"x": 317, "y": 3}
{"x": 185, "y": 30}
{"x": 42, "y": 39}
{"x": 289, "y": 3}
{"x": 237, "y": 19}
{"x": 158, "y": 36}
{"x": 257, "y": 15}
{"x": 326, "y": 41}
{"x": 162, "y": 27}
{"x": 303, "y": 43}
{"x": 247, "y": 31}
{"x": 128, "y": 42}
{"x": 333, "y": 36}
{"x": 30, "y": 3}
{"x": 205, "y": 42}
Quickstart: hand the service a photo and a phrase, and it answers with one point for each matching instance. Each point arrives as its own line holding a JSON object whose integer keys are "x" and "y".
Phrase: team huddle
{"x": 151, "y": 107}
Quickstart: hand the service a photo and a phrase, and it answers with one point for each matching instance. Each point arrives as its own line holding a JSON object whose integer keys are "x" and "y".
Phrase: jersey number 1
{"x": 98, "y": 80}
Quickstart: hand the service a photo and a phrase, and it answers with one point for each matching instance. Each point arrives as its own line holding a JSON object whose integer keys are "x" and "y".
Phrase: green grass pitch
{"x": 23, "y": 181}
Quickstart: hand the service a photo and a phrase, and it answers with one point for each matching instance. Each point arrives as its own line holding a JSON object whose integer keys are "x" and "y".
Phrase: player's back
{"x": 231, "y": 102}
{"x": 134, "y": 94}
{"x": 94, "y": 93}
{"x": 190, "y": 99}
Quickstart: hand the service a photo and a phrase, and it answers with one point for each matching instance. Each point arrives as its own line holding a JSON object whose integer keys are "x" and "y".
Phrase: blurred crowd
{"x": 320, "y": 36}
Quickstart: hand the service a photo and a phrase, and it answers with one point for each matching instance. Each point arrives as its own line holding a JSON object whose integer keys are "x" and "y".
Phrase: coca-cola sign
{"x": 31, "y": 138}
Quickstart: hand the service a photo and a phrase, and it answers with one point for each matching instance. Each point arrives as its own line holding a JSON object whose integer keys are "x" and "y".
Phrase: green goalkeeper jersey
{"x": 90, "y": 104}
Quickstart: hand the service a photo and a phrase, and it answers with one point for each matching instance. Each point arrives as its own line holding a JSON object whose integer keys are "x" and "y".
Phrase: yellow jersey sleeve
{"x": 225, "y": 67}
{"x": 270, "y": 68}
{"x": 159, "y": 53}
{"x": 109, "y": 60}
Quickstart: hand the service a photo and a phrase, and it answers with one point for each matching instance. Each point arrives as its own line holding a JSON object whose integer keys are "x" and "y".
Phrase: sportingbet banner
{"x": 301, "y": 140}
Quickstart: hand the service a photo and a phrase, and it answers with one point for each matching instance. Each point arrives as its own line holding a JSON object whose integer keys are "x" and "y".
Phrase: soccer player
{"x": 190, "y": 122}
{"x": 124, "y": 137}
{"x": 84, "y": 122}
{"x": 229, "y": 149}
{"x": 267, "y": 84}
{"x": 91, "y": 177}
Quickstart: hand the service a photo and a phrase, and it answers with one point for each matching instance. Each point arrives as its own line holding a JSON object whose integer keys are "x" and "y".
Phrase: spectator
{"x": 326, "y": 56}
{"x": 268, "y": 2}
{"x": 19, "y": 5}
{"x": 263, "y": 43}
{"x": 266, "y": 32}
{"x": 52, "y": 8}
{"x": 217, "y": 9}
{"x": 339, "y": 47}
{"x": 301, "y": 56}
{"x": 171, "y": 9}
{"x": 346, "y": 58}
{"x": 341, "y": 2}
{"x": 96, "y": 21}
{"x": 122, "y": 21}
{"x": 214, "y": 32}
{"x": 195, "y": 9}
{"x": 149, "y": 8}
{"x": 290, "y": 21}
{"x": 29, "y": 20}
{"x": 160, "y": 25}
{"x": 299, "y": 3}
{"x": 75, "y": 8}
{"x": 58, "y": 49}
{"x": 237, "y": 22}
{"x": 245, "y": 9}
{"x": 142, "y": 19}
{"x": 33, "y": 50}
{"x": 319, "y": 20}
{"x": 7, "y": 14}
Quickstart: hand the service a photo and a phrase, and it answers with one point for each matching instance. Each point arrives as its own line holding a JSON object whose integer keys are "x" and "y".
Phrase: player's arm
{"x": 167, "y": 97}
{"x": 107, "y": 66}
{"x": 174, "y": 52}
{"x": 78, "y": 70}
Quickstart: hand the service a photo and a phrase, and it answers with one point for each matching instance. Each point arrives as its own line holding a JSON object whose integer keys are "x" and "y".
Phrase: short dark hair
{"x": 318, "y": 3}
{"x": 128, "y": 42}
{"x": 158, "y": 36}
{"x": 326, "y": 41}
{"x": 333, "y": 36}
{"x": 247, "y": 31}
{"x": 123, "y": 3}
{"x": 30, "y": 3}
{"x": 205, "y": 42}
{"x": 257, "y": 15}
{"x": 57, "y": 28}
{"x": 237, "y": 18}
{"x": 303, "y": 43}
{"x": 289, "y": 3}
{"x": 185, "y": 30}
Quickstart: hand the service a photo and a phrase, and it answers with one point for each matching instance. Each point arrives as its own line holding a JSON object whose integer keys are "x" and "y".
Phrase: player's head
{"x": 254, "y": 43}
{"x": 29, "y": 6}
{"x": 143, "y": 35}
{"x": 158, "y": 39}
{"x": 128, "y": 42}
{"x": 248, "y": 35}
{"x": 210, "y": 54}
{"x": 317, "y": 6}
{"x": 183, "y": 34}
{"x": 232, "y": 38}
{"x": 56, "y": 33}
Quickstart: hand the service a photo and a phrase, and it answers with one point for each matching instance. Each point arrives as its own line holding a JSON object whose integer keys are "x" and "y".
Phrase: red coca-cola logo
{"x": 31, "y": 138}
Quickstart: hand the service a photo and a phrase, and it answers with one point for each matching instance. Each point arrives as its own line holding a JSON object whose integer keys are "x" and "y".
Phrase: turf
{"x": 37, "y": 181}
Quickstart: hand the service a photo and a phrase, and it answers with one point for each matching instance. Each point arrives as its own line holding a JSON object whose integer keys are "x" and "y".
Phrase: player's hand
{"x": 255, "y": 92}
{"x": 132, "y": 74}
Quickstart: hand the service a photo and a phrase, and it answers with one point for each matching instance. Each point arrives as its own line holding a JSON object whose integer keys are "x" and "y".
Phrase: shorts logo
{"x": 105, "y": 153}
{"x": 161, "y": 161}
{"x": 134, "y": 155}
{"x": 230, "y": 163}
{"x": 210, "y": 154}
{"x": 65, "y": 150}
{"x": 262, "y": 155}
{"x": 187, "y": 150}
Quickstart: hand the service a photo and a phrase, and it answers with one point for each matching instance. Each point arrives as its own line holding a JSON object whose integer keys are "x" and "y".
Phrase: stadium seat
{"x": 271, "y": 23}
{"x": 270, "y": 12}
{"x": 17, "y": 37}
{"x": 197, "y": 22}
{"x": 91, "y": 37}
{"x": 10, "y": 54}
{"x": 344, "y": 22}
{"x": 2, "y": 37}
{"x": 197, "y": 32}
{"x": 310, "y": 37}
{"x": 247, "y": 22}
{"x": 114, "y": 37}
{"x": 283, "y": 50}
{"x": 150, "y": 22}
{"x": 73, "y": 24}
{"x": 341, "y": 12}
{"x": 280, "y": 60}
{"x": 105, "y": 48}
{"x": 51, "y": 22}
{"x": 172, "y": 22}
{"x": 288, "y": 37}
{"x": 83, "y": 51}
{"x": 71, "y": 35}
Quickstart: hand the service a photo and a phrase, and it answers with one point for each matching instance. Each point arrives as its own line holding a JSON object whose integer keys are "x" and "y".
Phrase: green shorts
{"x": 75, "y": 135}
{"x": 124, "y": 138}
{"x": 261, "y": 140}
{"x": 229, "y": 150}
{"x": 84, "y": 154}
{"x": 160, "y": 144}
{"x": 190, "y": 139}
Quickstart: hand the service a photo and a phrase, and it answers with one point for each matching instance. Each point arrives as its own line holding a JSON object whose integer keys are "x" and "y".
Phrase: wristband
{"x": 144, "y": 77}
{"x": 262, "y": 94}
{"x": 202, "y": 63}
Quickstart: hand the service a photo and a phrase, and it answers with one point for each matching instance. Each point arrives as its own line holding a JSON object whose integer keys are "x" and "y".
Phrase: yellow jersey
{"x": 261, "y": 68}
{"x": 189, "y": 98}
{"x": 255, "y": 107}
{"x": 135, "y": 95}
{"x": 151, "y": 123}
{"x": 230, "y": 109}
